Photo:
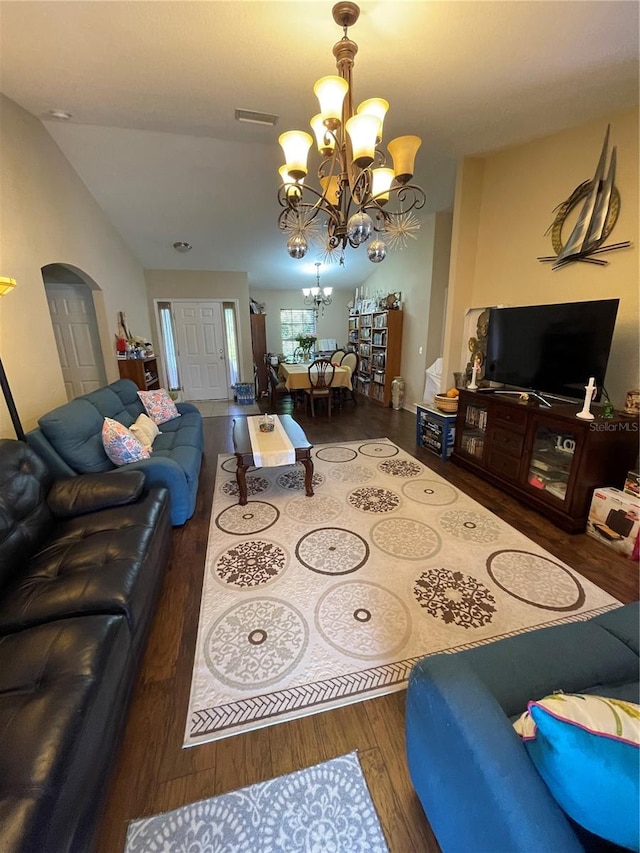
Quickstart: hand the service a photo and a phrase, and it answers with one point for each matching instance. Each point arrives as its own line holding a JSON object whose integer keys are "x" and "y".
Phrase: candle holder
{"x": 590, "y": 391}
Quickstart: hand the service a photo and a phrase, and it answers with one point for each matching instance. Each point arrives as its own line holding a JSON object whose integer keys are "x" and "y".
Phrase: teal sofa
{"x": 69, "y": 440}
{"x": 478, "y": 787}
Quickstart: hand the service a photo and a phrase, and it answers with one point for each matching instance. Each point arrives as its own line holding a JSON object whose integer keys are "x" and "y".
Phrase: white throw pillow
{"x": 145, "y": 430}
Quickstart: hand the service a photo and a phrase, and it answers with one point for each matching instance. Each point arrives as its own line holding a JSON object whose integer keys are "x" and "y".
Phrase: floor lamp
{"x": 6, "y": 286}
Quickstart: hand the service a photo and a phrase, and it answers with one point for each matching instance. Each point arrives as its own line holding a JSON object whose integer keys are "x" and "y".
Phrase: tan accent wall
{"x": 504, "y": 204}
{"x": 48, "y": 216}
{"x": 420, "y": 272}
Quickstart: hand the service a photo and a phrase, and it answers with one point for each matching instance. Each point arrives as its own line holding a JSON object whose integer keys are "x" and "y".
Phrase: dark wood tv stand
{"x": 544, "y": 455}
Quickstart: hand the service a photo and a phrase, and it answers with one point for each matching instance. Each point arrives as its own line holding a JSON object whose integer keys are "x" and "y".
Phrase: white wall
{"x": 166, "y": 285}
{"x": 332, "y": 323}
{"x": 47, "y": 216}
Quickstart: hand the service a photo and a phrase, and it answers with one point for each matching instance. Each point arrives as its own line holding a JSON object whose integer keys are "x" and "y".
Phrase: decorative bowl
{"x": 446, "y": 404}
{"x": 266, "y": 424}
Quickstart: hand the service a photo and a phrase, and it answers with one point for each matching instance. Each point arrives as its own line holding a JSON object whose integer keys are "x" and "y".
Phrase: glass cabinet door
{"x": 552, "y": 457}
{"x": 472, "y": 440}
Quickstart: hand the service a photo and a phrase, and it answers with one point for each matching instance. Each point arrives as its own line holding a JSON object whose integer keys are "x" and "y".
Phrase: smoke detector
{"x": 182, "y": 246}
{"x": 60, "y": 115}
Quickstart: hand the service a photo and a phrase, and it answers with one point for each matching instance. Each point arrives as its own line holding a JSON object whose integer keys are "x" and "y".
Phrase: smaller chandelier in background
{"x": 360, "y": 198}
{"x": 317, "y": 296}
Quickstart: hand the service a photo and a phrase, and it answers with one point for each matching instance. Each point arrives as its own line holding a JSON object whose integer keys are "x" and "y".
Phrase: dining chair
{"x": 321, "y": 373}
{"x": 276, "y": 387}
{"x": 337, "y": 356}
{"x": 351, "y": 360}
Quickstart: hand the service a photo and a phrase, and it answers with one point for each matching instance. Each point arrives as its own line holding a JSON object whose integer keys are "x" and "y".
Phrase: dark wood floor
{"x": 154, "y": 773}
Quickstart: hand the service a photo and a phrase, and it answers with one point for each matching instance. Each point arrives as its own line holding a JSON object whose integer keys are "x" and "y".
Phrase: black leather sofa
{"x": 81, "y": 565}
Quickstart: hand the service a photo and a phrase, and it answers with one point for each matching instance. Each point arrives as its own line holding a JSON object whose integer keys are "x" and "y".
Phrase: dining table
{"x": 296, "y": 376}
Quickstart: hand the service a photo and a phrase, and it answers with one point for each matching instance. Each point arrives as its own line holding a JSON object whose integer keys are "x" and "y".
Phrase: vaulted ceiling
{"x": 153, "y": 86}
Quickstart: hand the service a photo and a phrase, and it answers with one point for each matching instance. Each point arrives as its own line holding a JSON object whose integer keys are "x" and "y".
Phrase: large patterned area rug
{"x": 323, "y": 808}
{"x": 313, "y": 603}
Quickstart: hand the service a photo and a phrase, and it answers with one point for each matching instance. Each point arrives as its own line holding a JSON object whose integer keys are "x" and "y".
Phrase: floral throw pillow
{"x": 587, "y": 749}
{"x": 120, "y": 444}
{"x": 159, "y": 405}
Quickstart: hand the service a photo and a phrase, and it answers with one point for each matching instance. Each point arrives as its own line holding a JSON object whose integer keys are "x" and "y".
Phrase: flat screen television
{"x": 551, "y": 349}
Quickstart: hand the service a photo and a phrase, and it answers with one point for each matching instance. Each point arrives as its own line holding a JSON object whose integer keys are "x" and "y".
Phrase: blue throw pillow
{"x": 587, "y": 750}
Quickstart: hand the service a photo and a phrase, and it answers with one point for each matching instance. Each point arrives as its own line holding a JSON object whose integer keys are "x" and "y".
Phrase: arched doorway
{"x": 75, "y": 326}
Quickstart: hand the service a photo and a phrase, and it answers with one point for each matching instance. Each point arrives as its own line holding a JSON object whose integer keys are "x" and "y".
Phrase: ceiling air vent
{"x": 253, "y": 117}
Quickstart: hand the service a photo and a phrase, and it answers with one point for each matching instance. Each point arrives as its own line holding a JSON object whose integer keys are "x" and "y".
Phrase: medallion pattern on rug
{"x": 312, "y": 603}
{"x": 322, "y": 808}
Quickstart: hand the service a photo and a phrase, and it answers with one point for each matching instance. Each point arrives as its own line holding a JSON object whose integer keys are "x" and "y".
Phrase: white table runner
{"x": 270, "y": 449}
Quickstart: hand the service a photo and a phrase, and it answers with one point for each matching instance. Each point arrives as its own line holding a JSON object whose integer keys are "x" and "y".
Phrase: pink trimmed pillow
{"x": 120, "y": 444}
{"x": 159, "y": 405}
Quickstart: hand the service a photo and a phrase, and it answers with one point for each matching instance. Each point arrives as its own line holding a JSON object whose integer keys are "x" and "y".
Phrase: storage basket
{"x": 445, "y": 404}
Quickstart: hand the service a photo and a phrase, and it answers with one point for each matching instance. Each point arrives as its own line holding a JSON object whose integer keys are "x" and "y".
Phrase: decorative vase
{"x": 397, "y": 392}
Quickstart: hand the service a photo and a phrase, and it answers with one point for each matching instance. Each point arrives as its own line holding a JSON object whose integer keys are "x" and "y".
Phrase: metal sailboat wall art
{"x": 600, "y": 201}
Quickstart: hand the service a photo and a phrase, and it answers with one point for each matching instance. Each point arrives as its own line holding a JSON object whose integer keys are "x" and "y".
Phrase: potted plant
{"x": 306, "y": 343}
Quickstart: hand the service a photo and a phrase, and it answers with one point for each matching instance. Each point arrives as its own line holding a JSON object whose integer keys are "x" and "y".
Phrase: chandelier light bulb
{"x": 362, "y": 130}
{"x": 403, "y": 149}
{"x": 359, "y": 228}
{"x": 381, "y": 180}
{"x": 296, "y": 145}
{"x": 331, "y": 189}
{"x": 375, "y": 107}
{"x": 297, "y": 246}
{"x": 293, "y": 190}
{"x": 376, "y": 251}
{"x": 331, "y": 92}
{"x": 326, "y": 141}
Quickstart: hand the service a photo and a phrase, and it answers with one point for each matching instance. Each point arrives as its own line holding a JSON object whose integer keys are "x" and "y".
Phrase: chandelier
{"x": 317, "y": 296}
{"x": 356, "y": 185}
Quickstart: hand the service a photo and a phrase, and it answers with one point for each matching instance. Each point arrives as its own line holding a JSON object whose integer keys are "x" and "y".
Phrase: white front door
{"x": 201, "y": 357}
{"x": 76, "y": 331}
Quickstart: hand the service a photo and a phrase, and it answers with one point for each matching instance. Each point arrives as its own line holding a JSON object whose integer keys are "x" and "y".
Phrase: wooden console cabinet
{"x": 546, "y": 457}
{"x": 259, "y": 350}
{"x": 143, "y": 371}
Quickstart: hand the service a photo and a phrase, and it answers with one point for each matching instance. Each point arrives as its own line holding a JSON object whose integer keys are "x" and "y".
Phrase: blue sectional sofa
{"x": 69, "y": 439}
{"x": 479, "y": 789}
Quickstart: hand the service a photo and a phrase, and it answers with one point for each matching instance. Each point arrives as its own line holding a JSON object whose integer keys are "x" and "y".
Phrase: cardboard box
{"x": 632, "y": 483}
{"x": 614, "y": 518}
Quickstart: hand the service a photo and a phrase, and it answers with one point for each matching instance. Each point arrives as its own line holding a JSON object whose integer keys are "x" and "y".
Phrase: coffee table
{"x": 244, "y": 453}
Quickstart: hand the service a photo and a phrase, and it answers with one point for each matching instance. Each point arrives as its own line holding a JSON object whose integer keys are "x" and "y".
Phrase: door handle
{"x": 221, "y": 353}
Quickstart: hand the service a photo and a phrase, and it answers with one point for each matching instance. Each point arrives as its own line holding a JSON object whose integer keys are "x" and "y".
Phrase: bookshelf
{"x": 142, "y": 371}
{"x": 377, "y": 338}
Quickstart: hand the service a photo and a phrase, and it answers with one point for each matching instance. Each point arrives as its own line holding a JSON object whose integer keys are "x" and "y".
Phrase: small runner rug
{"x": 325, "y": 808}
{"x": 313, "y": 603}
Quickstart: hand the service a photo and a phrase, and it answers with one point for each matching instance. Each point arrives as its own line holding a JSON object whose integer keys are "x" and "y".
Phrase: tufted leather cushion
{"x": 100, "y": 562}
{"x": 76, "y": 495}
{"x": 25, "y": 519}
{"x": 62, "y": 692}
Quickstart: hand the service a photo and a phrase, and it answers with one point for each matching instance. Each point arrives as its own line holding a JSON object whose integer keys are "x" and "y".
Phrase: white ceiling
{"x": 153, "y": 86}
